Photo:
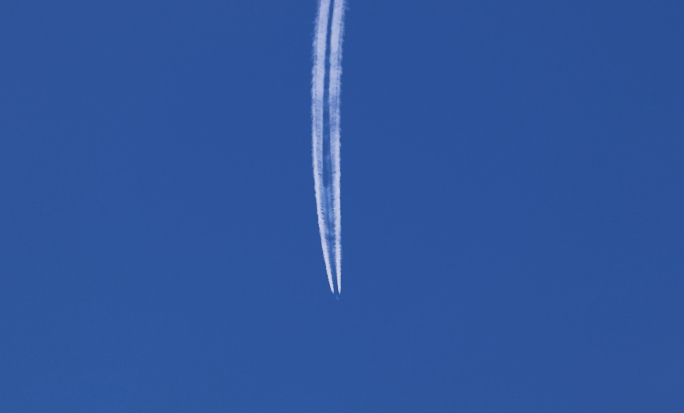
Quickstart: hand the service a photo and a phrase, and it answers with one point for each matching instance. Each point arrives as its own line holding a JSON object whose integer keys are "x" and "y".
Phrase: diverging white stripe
{"x": 334, "y": 90}
{"x": 326, "y": 158}
{"x": 317, "y": 97}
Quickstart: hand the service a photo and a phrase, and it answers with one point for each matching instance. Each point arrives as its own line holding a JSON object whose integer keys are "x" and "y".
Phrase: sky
{"x": 512, "y": 208}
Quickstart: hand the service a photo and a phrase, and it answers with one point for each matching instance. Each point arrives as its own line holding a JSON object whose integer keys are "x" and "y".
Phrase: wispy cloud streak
{"x": 326, "y": 141}
{"x": 317, "y": 98}
{"x": 334, "y": 90}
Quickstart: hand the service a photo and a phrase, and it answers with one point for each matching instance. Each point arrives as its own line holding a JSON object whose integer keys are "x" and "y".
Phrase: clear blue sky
{"x": 512, "y": 197}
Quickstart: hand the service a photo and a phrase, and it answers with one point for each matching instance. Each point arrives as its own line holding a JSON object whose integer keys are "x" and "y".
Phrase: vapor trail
{"x": 326, "y": 141}
{"x": 317, "y": 98}
{"x": 334, "y": 90}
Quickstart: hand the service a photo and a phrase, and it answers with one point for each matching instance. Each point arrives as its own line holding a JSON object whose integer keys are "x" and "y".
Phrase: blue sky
{"x": 511, "y": 208}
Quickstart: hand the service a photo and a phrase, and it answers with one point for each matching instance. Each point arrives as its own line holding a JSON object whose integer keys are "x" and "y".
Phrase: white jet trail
{"x": 336, "y": 32}
{"x": 317, "y": 95}
{"x": 326, "y": 143}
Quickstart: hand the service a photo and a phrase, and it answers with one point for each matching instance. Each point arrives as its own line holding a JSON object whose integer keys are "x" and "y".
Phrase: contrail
{"x": 317, "y": 94}
{"x": 326, "y": 141}
{"x": 336, "y": 32}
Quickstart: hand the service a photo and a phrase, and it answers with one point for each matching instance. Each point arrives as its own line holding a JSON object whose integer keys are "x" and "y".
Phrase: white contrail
{"x": 317, "y": 97}
{"x": 334, "y": 90}
{"x": 326, "y": 143}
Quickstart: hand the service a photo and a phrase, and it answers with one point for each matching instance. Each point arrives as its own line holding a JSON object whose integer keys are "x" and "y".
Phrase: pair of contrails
{"x": 325, "y": 113}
